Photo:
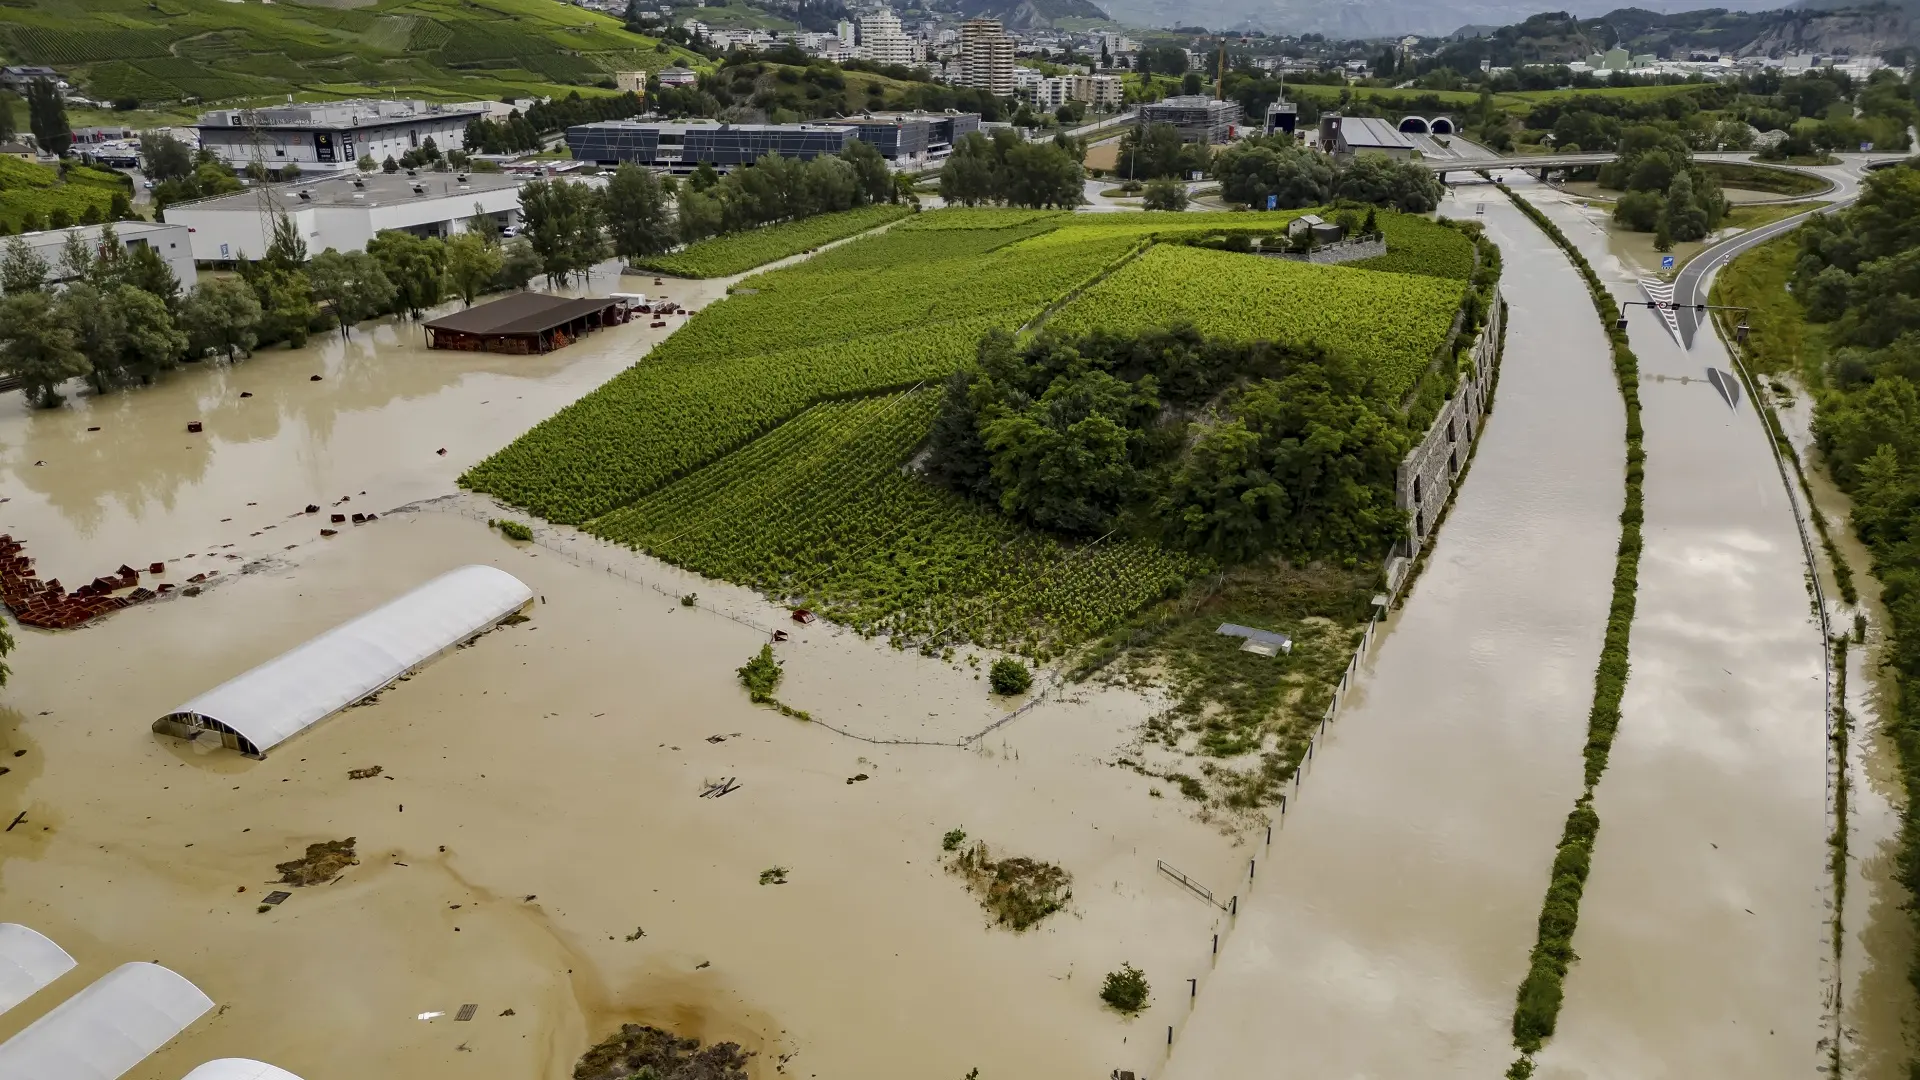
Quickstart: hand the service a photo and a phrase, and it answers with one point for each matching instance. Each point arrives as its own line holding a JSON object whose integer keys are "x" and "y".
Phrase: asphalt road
{"x": 1695, "y": 280}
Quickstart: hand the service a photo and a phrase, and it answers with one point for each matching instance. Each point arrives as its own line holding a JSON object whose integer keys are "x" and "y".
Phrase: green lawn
{"x": 1781, "y": 340}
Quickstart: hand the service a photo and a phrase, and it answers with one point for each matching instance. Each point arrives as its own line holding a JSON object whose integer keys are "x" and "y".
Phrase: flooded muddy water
{"x": 1391, "y": 922}
{"x": 1703, "y": 935}
{"x": 141, "y": 488}
{"x": 535, "y": 843}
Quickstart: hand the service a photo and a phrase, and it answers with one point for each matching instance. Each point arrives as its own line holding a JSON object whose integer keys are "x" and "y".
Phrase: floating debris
{"x": 322, "y": 863}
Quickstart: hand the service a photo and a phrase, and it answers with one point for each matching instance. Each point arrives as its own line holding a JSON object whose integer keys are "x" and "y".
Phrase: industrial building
{"x": 344, "y": 212}
{"x": 264, "y": 707}
{"x": 171, "y": 241}
{"x": 1198, "y": 118}
{"x": 332, "y": 136}
{"x": 1345, "y": 136}
{"x": 903, "y": 138}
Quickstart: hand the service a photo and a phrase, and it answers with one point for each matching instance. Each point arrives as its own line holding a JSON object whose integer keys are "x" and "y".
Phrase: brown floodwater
{"x": 1391, "y": 922}
{"x": 1702, "y": 935}
{"x": 539, "y": 801}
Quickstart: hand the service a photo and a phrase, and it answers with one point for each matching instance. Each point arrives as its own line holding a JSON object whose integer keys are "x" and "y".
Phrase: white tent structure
{"x": 108, "y": 1028}
{"x": 299, "y": 688}
{"x": 239, "y": 1069}
{"x": 29, "y": 960}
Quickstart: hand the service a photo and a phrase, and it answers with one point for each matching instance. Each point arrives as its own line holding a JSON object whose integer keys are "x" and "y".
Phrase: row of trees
{"x": 523, "y": 133}
{"x": 1005, "y": 168}
{"x": 117, "y": 318}
{"x": 1255, "y": 169}
{"x": 1232, "y": 449}
{"x": 46, "y": 117}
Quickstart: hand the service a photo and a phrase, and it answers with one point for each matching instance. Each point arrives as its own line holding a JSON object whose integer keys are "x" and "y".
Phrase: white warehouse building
{"x": 332, "y": 136}
{"x": 344, "y": 212}
{"x": 171, "y": 242}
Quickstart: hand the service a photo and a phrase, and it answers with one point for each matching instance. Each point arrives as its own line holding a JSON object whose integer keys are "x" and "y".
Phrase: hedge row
{"x": 1537, "y": 1004}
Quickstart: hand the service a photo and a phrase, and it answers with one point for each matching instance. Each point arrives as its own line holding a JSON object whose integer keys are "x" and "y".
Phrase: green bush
{"x": 512, "y": 530}
{"x": 761, "y": 675}
{"x": 1125, "y": 989}
{"x": 1009, "y": 676}
{"x": 953, "y": 840}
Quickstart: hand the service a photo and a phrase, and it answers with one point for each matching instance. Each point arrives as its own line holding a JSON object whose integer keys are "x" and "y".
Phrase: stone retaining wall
{"x": 1426, "y": 475}
{"x": 1343, "y": 252}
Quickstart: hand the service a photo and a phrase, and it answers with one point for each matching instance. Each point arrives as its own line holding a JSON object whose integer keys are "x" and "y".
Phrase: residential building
{"x": 344, "y": 212}
{"x": 881, "y": 40}
{"x": 986, "y": 57}
{"x": 1053, "y": 92}
{"x": 902, "y": 138}
{"x": 631, "y": 82}
{"x": 1198, "y": 118}
{"x": 1104, "y": 92}
{"x": 679, "y": 76}
{"x": 171, "y": 241}
{"x": 1345, "y": 136}
{"x": 18, "y": 77}
{"x": 847, "y": 33}
{"x": 332, "y": 136}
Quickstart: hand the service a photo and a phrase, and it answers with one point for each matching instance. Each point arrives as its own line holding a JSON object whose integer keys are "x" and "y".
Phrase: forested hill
{"x": 1557, "y": 37}
{"x": 1022, "y": 14}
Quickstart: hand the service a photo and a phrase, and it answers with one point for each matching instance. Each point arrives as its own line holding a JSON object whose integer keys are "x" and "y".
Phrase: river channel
{"x": 1391, "y": 922}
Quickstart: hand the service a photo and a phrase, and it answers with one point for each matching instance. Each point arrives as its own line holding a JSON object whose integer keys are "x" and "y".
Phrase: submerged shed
{"x": 29, "y": 960}
{"x": 239, "y": 1069}
{"x": 527, "y": 322}
{"x": 105, "y": 1030}
{"x": 286, "y": 695}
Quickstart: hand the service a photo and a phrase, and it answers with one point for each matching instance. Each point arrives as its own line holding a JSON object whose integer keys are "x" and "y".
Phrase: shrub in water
{"x": 1125, "y": 989}
{"x": 761, "y": 675}
{"x": 1009, "y": 676}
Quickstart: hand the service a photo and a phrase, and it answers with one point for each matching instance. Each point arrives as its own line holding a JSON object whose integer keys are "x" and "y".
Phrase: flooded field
{"x": 535, "y": 842}
{"x": 1391, "y": 922}
{"x": 1702, "y": 935}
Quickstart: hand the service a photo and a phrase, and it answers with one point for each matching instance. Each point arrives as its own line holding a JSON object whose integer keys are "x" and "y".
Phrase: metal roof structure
{"x": 268, "y": 705}
{"x": 520, "y": 313}
{"x": 239, "y": 1069}
{"x": 105, "y": 1030}
{"x": 29, "y": 960}
{"x": 1263, "y": 642}
{"x": 1372, "y": 133}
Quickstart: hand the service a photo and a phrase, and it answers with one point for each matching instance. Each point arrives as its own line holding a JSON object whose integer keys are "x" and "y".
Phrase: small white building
{"x": 172, "y": 242}
{"x": 344, "y": 212}
{"x": 679, "y": 76}
{"x": 332, "y": 136}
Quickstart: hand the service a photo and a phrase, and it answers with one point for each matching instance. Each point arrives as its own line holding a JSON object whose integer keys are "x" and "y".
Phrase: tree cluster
{"x": 519, "y": 133}
{"x": 105, "y": 313}
{"x": 1232, "y": 449}
{"x": 777, "y": 87}
{"x": 1004, "y": 168}
{"x": 773, "y": 189}
{"x": 1253, "y": 169}
{"x": 1156, "y": 151}
{"x": 1664, "y": 191}
{"x": 47, "y": 117}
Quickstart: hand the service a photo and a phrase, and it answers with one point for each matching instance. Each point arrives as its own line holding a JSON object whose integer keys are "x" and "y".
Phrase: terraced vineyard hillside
{"x": 160, "y": 51}
{"x": 771, "y": 441}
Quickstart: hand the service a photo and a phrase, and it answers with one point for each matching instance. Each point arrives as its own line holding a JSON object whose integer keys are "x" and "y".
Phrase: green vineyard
{"x": 770, "y": 441}
{"x": 208, "y": 50}
{"x": 743, "y": 251}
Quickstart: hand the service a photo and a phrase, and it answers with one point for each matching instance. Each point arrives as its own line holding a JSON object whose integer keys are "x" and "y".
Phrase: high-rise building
{"x": 986, "y": 56}
{"x": 881, "y": 40}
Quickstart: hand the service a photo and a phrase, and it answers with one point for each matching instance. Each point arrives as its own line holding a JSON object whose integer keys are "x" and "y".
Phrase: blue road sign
{"x": 1273, "y": 201}
{"x": 1666, "y": 262}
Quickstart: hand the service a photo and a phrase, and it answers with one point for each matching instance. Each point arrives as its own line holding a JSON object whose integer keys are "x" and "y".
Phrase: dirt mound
{"x": 321, "y": 864}
{"x": 1018, "y": 891}
{"x": 636, "y": 1048}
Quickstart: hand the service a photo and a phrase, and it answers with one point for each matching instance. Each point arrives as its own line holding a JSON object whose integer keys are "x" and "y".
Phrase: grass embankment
{"x": 35, "y": 191}
{"x": 213, "y": 50}
{"x": 1780, "y": 341}
{"x": 1537, "y": 1003}
{"x": 742, "y": 251}
{"x": 1762, "y": 178}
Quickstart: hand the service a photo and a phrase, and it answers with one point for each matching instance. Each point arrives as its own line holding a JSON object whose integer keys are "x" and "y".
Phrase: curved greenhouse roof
{"x": 29, "y": 960}
{"x": 239, "y": 1069}
{"x": 106, "y": 1029}
{"x": 299, "y": 688}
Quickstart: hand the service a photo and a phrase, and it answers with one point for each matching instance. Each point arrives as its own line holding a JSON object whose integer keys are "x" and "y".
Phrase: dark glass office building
{"x": 684, "y": 146}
